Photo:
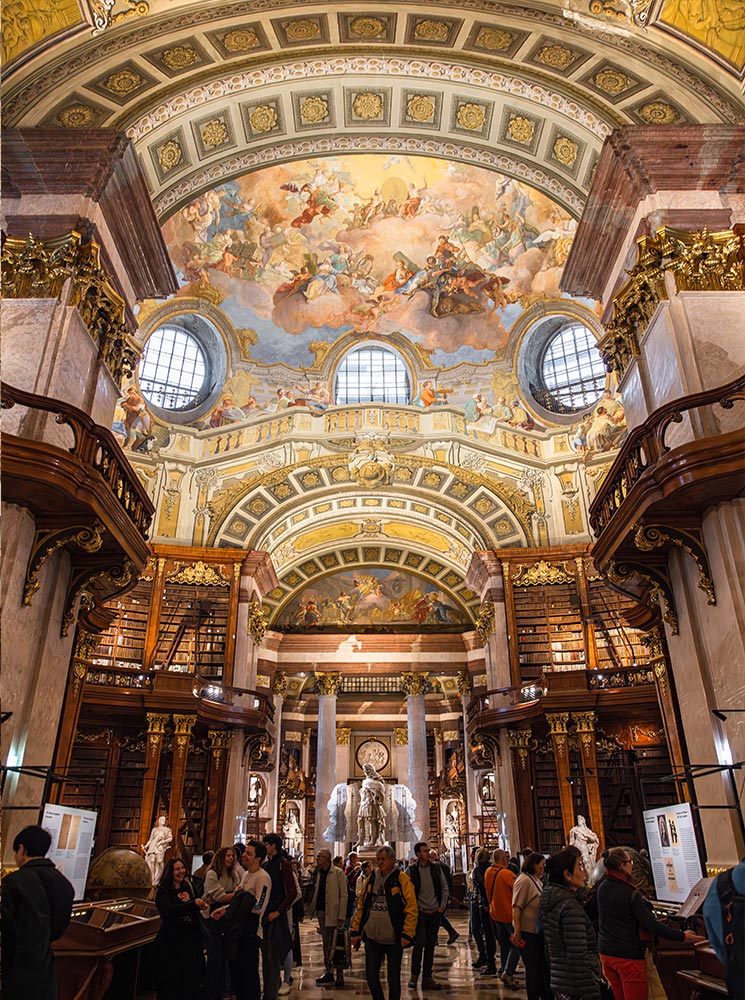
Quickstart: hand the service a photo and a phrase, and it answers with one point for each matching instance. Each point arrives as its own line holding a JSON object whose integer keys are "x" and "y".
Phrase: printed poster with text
{"x": 673, "y": 851}
{"x": 72, "y": 832}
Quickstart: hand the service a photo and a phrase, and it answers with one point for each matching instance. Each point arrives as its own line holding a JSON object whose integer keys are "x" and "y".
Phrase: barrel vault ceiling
{"x": 209, "y": 90}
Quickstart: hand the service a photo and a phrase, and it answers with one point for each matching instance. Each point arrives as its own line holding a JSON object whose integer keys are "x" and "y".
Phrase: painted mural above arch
{"x": 449, "y": 254}
{"x": 371, "y": 597}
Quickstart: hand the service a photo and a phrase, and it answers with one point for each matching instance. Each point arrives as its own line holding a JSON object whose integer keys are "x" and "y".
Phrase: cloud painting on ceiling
{"x": 447, "y": 254}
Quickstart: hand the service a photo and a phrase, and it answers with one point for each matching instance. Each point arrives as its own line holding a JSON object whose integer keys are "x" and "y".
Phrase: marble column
{"x": 256, "y": 578}
{"x": 156, "y": 727}
{"x": 585, "y": 724}
{"x": 490, "y": 580}
{"x": 558, "y": 724}
{"x": 414, "y": 686}
{"x": 279, "y": 689}
{"x": 328, "y": 687}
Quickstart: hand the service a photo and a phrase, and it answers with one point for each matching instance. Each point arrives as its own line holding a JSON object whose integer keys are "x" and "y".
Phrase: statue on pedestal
{"x": 586, "y": 841}
{"x": 155, "y": 849}
{"x": 371, "y": 822}
{"x": 292, "y": 834}
{"x": 451, "y": 831}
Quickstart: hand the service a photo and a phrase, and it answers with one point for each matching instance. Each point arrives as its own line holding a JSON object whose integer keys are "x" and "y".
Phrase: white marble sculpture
{"x": 451, "y": 831}
{"x": 348, "y": 823}
{"x": 155, "y": 849}
{"x": 586, "y": 841}
{"x": 371, "y": 818}
{"x": 292, "y": 834}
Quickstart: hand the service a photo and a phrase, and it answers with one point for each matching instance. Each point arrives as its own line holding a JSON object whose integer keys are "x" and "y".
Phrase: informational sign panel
{"x": 72, "y": 832}
{"x": 673, "y": 851}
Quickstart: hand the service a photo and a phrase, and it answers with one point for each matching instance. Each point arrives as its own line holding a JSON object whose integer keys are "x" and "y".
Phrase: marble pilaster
{"x": 414, "y": 685}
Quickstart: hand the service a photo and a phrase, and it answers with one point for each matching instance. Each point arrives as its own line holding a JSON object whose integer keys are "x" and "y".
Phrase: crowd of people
{"x": 232, "y": 928}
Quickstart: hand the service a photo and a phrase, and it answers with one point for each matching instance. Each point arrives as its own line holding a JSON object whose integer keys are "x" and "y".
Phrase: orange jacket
{"x": 498, "y": 882}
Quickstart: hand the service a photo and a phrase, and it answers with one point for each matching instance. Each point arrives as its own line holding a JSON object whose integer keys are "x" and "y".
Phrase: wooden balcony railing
{"x": 646, "y": 445}
{"x": 95, "y": 447}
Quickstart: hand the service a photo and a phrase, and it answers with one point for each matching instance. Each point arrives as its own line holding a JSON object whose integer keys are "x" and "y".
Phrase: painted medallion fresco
{"x": 447, "y": 254}
{"x": 370, "y": 597}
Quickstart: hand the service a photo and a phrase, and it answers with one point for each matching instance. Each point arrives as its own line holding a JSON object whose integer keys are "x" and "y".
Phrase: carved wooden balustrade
{"x": 85, "y": 498}
{"x": 646, "y": 445}
{"x": 656, "y": 494}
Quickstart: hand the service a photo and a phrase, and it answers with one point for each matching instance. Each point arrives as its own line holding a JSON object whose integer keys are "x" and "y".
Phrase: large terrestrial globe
{"x": 116, "y": 873}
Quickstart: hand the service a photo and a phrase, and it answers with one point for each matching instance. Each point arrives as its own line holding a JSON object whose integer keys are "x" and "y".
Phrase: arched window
{"x": 572, "y": 372}
{"x": 174, "y": 370}
{"x": 372, "y": 375}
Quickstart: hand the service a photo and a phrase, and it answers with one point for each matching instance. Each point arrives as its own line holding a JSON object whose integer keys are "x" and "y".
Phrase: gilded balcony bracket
{"x": 486, "y": 749}
{"x": 655, "y": 536}
{"x": 94, "y": 584}
{"x": 89, "y": 538}
{"x": 257, "y": 752}
{"x": 485, "y": 622}
{"x": 655, "y": 587}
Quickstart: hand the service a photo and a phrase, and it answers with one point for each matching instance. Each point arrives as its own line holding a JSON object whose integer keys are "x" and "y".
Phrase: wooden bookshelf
{"x": 549, "y": 629}
{"x": 547, "y": 804}
{"x": 122, "y": 645}
{"x": 86, "y": 776}
{"x": 125, "y": 820}
{"x": 192, "y": 629}
{"x": 618, "y": 645}
{"x": 194, "y": 798}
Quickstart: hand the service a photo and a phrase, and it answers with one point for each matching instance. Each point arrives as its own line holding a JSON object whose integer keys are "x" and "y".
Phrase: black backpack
{"x": 733, "y": 927}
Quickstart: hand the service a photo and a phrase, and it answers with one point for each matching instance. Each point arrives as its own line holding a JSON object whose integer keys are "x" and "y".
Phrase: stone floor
{"x": 452, "y": 969}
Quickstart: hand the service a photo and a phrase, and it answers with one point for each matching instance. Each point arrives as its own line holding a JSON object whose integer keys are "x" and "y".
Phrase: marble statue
{"x": 355, "y": 809}
{"x": 586, "y": 841}
{"x": 155, "y": 849}
{"x": 292, "y": 834}
{"x": 371, "y": 819}
{"x": 451, "y": 831}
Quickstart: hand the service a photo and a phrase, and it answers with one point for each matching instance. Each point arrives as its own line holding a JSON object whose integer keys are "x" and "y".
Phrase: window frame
{"x": 401, "y": 367}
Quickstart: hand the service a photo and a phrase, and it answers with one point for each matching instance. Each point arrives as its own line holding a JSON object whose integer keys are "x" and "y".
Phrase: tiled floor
{"x": 452, "y": 968}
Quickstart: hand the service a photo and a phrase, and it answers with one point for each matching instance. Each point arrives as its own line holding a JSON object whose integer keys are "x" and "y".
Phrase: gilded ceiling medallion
{"x": 521, "y": 129}
{"x": 659, "y": 113}
{"x": 241, "y": 40}
{"x": 263, "y": 118}
{"x": 612, "y": 81}
{"x": 314, "y": 110}
{"x": 484, "y": 505}
{"x": 76, "y": 116}
{"x": 557, "y": 56}
{"x": 170, "y": 155}
{"x": 420, "y": 108}
{"x": 471, "y": 116}
{"x": 179, "y": 57}
{"x": 303, "y": 30}
{"x": 494, "y": 39}
{"x": 214, "y": 133}
{"x": 366, "y": 27}
{"x": 368, "y": 106}
{"x": 431, "y": 31}
{"x": 503, "y": 527}
{"x": 565, "y": 151}
{"x": 239, "y": 528}
{"x": 123, "y": 82}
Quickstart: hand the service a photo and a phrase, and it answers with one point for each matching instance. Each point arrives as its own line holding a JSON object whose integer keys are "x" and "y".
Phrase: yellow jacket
{"x": 400, "y": 900}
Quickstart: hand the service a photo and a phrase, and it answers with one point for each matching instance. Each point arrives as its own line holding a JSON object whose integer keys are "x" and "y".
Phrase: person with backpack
{"x": 499, "y": 881}
{"x": 240, "y": 923}
{"x": 329, "y": 904}
{"x": 276, "y": 940}
{"x": 724, "y": 916}
{"x": 37, "y": 904}
{"x": 481, "y": 917}
{"x": 570, "y": 939}
{"x": 453, "y": 935}
{"x": 431, "y": 892}
{"x": 623, "y": 916}
{"x": 386, "y": 917}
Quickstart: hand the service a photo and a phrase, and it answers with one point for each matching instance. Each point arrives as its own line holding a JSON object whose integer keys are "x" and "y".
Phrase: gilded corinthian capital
{"x": 328, "y": 683}
{"x": 415, "y": 683}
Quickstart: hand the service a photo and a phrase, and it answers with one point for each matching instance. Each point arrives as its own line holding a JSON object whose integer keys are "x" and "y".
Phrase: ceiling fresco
{"x": 372, "y": 597}
{"x": 446, "y": 253}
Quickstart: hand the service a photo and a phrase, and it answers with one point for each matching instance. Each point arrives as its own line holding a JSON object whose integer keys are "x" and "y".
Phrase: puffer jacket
{"x": 571, "y": 945}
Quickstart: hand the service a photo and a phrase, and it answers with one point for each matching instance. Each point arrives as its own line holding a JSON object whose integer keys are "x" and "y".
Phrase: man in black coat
{"x": 37, "y": 904}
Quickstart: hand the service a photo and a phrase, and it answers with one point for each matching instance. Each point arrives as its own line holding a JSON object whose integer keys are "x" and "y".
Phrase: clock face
{"x": 373, "y": 752}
